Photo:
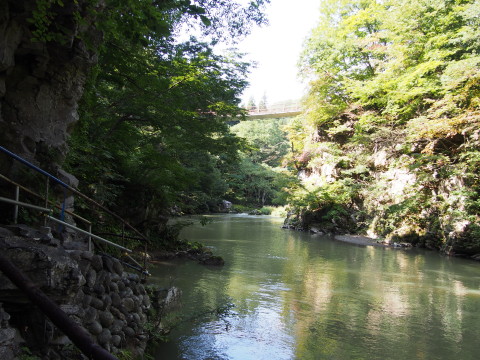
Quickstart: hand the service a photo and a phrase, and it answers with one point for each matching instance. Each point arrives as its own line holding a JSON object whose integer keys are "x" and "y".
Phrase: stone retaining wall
{"x": 112, "y": 304}
{"x": 96, "y": 291}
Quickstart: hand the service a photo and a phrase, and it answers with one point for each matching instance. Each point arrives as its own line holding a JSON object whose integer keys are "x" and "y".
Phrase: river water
{"x": 290, "y": 295}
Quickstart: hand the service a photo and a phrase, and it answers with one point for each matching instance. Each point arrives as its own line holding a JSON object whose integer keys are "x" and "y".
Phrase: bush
{"x": 241, "y": 209}
{"x": 279, "y": 211}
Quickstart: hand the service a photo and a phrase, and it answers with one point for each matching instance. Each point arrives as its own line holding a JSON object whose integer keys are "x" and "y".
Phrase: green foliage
{"x": 266, "y": 139}
{"x": 45, "y": 26}
{"x": 124, "y": 354}
{"x": 279, "y": 211}
{"x": 257, "y": 180}
{"x": 258, "y": 184}
{"x": 242, "y": 209}
{"x": 153, "y": 129}
{"x": 394, "y": 92}
{"x": 27, "y": 354}
{"x": 264, "y": 210}
{"x": 340, "y": 192}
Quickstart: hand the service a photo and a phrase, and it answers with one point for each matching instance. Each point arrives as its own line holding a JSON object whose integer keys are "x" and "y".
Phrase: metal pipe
{"x": 82, "y": 340}
{"x": 15, "y": 202}
{"x": 78, "y": 193}
{"x": 138, "y": 268}
{"x": 46, "y": 198}
{"x": 118, "y": 235}
{"x": 135, "y": 261}
{"x": 88, "y": 233}
{"x": 15, "y": 209}
{"x": 89, "y": 238}
{"x": 23, "y": 188}
{"x": 73, "y": 190}
{"x": 30, "y": 165}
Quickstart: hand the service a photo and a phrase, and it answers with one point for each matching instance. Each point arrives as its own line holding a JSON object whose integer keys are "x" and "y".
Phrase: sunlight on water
{"x": 298, "y": 296}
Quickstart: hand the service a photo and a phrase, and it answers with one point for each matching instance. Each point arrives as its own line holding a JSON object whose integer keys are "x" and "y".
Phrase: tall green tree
{"x": 154, "y": 103}
{"x": 267, "y": 140}
{"x": 258, "y": 179}
{"x": 399, "y": 78}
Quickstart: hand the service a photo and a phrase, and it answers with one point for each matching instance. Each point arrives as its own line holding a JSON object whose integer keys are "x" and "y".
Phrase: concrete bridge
{"x": 276, "y": 111}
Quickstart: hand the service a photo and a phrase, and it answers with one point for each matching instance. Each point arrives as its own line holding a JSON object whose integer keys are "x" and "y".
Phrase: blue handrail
{"x": 36, "y": 168}
{"x": 75, "y": 191}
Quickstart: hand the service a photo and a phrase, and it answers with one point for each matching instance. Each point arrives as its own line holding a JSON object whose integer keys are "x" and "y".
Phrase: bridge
{"x": 280, "y": 110}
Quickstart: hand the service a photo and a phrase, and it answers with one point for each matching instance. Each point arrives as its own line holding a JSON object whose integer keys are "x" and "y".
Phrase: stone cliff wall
{"x": 42, "y": 82}
{"x": 384, "y": 191}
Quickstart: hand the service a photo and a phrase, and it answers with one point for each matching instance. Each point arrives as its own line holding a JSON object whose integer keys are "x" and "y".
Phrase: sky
{"x": 276, "y": 48}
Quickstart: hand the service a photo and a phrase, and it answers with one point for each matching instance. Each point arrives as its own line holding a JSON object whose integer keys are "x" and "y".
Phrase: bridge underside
{"x": 273, "y": 116}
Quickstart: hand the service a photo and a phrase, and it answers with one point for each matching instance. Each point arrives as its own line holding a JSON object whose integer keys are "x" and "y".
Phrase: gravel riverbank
{"x": 359, "y": 240}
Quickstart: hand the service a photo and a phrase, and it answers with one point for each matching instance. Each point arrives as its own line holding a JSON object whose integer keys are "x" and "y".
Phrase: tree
{"x": 262, "y": 105}
{"x": 153, "y": 103}
{"x": 251, "y": 105}
{"x": 258, "y": 179}
{"x": 400, "y": 77}
{"x": 266, "y": 139}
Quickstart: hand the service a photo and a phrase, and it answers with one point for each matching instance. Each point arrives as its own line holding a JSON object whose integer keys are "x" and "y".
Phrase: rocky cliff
{"x": 389, "y": 185}
{"x": 43, "y": 70}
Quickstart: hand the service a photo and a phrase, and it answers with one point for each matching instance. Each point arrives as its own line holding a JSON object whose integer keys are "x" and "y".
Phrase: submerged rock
{"x": 213, "y": 261}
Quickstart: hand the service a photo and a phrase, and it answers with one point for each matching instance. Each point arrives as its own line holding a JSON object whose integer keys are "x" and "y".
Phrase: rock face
{"x": 384, "y": 191}
{"x": 41, "y": 82}
{"x": 111, "y": 304}
{"x": 7, "y": 336}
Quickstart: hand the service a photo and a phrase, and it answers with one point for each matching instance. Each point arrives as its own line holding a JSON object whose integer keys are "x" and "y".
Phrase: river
{"x": 291, "y": 295}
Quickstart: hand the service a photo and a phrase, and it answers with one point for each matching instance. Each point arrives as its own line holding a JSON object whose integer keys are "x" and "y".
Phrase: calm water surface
{"x": 290, "y": 295}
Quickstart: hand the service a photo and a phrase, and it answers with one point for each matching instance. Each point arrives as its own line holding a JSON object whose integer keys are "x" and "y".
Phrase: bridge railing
{"x": 47, "y": 210}
{"x": 276, "y": 109}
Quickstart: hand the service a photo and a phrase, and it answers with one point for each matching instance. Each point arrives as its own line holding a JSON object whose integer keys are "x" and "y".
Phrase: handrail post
{"x": 15, "y": 209}
{"x": 89, "y": 238}
{"x": 47, "y": 188}
{"x": 123, "y": 233}
{"x": 62, "y": 206}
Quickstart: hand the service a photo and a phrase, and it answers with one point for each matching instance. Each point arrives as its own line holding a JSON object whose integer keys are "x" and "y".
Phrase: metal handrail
{"x": 88, "y": 233}
{"x": 36, "y": 168}
{"x": 75, "y": 192}
{"x": 76, "y": 216}
{"x": 30, "y": 206}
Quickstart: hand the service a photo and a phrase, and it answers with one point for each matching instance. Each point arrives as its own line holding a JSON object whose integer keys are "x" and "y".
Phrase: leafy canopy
{"x": 153, "y": 118}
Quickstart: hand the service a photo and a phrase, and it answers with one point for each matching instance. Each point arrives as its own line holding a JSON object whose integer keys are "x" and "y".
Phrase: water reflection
{"x": 298, "y": 296}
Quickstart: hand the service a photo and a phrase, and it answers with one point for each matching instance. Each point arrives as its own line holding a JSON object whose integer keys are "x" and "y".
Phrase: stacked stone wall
{"x": 113, "y": 304}
{"x": 95, "y": 290}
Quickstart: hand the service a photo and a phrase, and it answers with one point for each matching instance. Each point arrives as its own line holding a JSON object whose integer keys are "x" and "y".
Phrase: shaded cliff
{"x": 42, "y": 77}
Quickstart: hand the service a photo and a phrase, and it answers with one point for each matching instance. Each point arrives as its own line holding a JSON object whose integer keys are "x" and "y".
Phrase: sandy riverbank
{"x": 359, "y": 240}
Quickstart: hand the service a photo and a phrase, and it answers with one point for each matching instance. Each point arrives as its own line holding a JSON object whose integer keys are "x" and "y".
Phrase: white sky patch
{"x": 276, "y": 49}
